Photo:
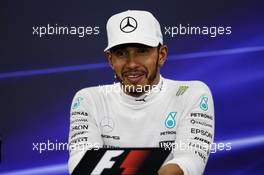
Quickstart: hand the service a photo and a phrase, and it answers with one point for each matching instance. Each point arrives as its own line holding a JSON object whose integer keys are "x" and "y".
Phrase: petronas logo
{"x": 204, "y": 103}
{"x": 170, "y": 121}
{"x": 77, "y": 102}
{"x": 181, "y": 90}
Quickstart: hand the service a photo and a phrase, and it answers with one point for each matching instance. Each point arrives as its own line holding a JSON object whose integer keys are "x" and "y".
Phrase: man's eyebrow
{"x": 145, "y": 47}
{"x": 116, "y": 49}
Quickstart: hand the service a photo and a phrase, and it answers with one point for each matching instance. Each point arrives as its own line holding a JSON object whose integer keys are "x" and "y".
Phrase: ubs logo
{"x": 128, "y": 24}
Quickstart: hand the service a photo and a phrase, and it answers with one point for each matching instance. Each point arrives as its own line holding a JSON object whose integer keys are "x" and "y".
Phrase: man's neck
{"x": 138, "y": 94}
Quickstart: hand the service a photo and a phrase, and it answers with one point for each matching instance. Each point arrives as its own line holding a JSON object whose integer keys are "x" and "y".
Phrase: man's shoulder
{"x": 190, "y": 86}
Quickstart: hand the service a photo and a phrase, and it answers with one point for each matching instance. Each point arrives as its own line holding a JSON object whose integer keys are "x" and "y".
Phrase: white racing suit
{"x": 175, "y": 114}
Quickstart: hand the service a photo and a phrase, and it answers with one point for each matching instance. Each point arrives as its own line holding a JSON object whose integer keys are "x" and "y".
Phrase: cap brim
{"x": 126, "y": 40}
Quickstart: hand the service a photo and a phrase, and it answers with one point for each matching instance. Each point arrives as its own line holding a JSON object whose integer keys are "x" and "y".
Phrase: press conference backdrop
{"x": 40, "y": 73}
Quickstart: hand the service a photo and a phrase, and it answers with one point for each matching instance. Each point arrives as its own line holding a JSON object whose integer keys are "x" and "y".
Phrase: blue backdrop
{"x": 40, "y": 75}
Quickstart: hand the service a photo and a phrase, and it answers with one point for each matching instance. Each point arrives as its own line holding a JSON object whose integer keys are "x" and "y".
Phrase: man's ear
{"x": 109, "y": 58}
{"x": 163, "y": 52}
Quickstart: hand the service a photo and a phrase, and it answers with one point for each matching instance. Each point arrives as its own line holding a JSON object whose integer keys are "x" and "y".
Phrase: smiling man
{"x": 137, "y": 66}
{"x": 146, "y": 110}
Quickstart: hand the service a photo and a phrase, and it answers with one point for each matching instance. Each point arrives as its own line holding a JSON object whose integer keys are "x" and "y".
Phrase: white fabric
{"x": 133, "y": 26}
{"x": 115, "y": 119}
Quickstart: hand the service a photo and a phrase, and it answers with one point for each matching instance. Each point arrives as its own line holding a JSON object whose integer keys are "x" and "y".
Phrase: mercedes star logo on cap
{"x": 128, "y": 24}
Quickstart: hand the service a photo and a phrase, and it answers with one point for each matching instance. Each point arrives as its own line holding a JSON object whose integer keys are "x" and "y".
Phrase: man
{"x": 144, "y": 109}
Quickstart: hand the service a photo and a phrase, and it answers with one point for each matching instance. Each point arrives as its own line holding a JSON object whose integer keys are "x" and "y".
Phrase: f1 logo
{"x": 129, "y": 165}
{"x": 125, "y": 161}
{"x": 106, "y": 162}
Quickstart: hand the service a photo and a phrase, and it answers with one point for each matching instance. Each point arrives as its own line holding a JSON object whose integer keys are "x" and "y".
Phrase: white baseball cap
{"x": 133, "y": 26}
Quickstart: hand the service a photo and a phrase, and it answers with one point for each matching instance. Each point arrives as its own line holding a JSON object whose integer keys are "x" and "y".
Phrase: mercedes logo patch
{"x": 107, "y": 125}
{"x": 128, "y": 24}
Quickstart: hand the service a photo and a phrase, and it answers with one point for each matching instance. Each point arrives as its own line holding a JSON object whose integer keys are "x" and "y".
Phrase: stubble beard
{"x": 136, "y": 90}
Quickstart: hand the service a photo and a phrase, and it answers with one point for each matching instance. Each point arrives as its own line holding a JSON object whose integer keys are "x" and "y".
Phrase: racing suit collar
{"x": 145, "y": 98}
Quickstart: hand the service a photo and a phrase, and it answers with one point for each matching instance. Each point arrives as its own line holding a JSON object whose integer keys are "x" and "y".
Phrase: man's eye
{"x": 119, "y": 53}
{"x": 142, "y": 50}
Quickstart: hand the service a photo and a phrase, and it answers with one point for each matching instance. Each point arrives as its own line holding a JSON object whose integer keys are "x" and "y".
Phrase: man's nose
{"x": 131, "y": 61}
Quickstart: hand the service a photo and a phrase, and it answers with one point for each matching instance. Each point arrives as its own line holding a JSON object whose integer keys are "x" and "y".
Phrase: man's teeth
{"x": 133, "y": 76}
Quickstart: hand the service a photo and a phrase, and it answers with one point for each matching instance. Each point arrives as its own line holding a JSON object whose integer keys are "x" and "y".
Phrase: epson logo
{"x": 110, "y": 137}
{"x": 201, "y": 132}
{"x": 80, "y": 127}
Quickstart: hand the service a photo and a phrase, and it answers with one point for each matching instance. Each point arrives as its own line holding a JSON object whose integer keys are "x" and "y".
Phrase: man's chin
{"x": 136, "y": 88}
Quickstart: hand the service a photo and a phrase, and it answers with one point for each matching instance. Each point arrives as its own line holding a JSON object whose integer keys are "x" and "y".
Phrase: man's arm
{"x": 84, "y": 133}
{"x": 170, "y": 169}
{"x": 195, "y": 134}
